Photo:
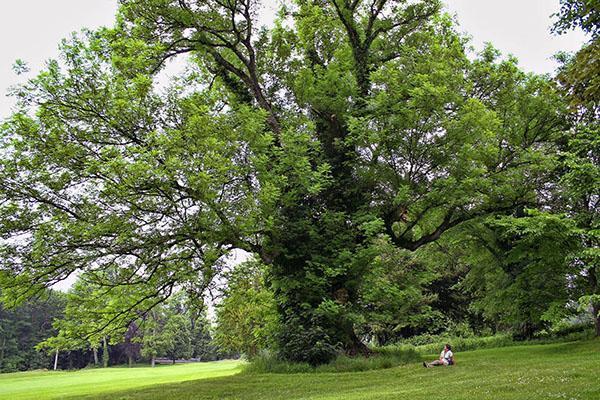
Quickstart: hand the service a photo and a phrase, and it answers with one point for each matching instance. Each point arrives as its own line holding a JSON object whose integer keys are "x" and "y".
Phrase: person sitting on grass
{"x": 446, "y": 358}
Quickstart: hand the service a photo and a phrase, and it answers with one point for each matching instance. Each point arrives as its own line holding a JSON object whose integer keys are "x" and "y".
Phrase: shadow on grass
{"x": 268, "y": 386}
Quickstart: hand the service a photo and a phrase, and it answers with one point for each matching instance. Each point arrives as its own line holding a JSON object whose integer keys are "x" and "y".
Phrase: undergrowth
{"x": 268, "y": 363}
{"x": 427, "y": 344}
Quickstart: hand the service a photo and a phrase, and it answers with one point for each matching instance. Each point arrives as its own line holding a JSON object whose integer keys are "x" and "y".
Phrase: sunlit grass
{"x": 41, "y": 385}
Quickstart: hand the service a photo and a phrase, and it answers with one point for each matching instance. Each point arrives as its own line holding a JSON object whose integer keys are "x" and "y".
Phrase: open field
{"x": 552, "y": 371}
{"x": 73, "y": 384}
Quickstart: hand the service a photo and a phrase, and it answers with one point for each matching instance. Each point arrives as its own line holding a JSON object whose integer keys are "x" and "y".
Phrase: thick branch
{"x": 450, "y": 220}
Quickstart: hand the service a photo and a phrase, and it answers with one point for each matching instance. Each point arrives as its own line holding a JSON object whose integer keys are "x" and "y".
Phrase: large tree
{"x": 305, "y": 143}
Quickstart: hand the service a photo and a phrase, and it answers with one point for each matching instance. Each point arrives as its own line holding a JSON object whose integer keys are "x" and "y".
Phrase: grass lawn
{"x": 552, "y": 371}
{"x": 73, "y": 384}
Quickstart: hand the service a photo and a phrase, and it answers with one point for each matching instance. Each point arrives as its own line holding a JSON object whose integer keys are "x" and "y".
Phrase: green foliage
{"x": 246, "y": 320}
{"x": 177, "y": 340}
{"x": 93, "y": 320}
{"x": 578, "y": 73}
{"x": 580, "y": 197}
{"x": 393, "y": 294}
{"x": 100, "y": 144}
{"x": 203, "y": 344}
{"x": 432, "y": 344}
{"x": 523, "y": 283}
{"x": 578, "y": 79}
{"x": 518, "y": 274}
{"x": 580, "y": 181}
{"x": 167, "y": 332}
{"x": 584, "y": 14}
{"x": 81, "y": 326}
{"x": 20, "y": 67}
{"x": 567, "y": 327}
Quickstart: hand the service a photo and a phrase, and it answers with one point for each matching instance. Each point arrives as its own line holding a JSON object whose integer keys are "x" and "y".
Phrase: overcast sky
{"x": 31, "y": 30}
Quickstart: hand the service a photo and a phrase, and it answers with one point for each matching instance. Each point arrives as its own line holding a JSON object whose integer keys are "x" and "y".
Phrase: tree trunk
{"x": 2, "y": 350}
{"x": 56, "y": 360}
{"x": 95, "y": 351}
{"x": 356, "y": 347}
{"x": 596, "y": 311}
{"x": 129, "y": 361}
{"x": 593, "y": 281}
{"x": 104, "y": 352}
{"x": 153, "y": 362}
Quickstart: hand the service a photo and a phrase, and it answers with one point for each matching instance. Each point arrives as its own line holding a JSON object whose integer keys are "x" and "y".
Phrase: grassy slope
{"x": 554, "y": 371}
{"x": 62, "y": 384}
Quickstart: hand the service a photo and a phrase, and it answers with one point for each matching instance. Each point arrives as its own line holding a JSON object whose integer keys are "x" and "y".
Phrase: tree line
{"x": 50, "y": 332}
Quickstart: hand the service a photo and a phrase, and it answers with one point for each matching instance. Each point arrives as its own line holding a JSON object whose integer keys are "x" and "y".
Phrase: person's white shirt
{"x": 447, "y": 356}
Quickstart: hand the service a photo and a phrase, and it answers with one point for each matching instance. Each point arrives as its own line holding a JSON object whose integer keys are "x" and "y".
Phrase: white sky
{"x": 518, "y": 27}
{"x": 31, "y": 30}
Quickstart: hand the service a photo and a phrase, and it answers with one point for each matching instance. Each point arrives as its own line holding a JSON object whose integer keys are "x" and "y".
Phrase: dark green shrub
{"x": 380, "y": 359}
{"x": 266, "y": 363}
{"x": 566, "y": 329}
{"x": 306, "y": 342}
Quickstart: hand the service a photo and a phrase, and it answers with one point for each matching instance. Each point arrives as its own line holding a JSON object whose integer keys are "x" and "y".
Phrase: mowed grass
{"x": 553, "y": 371}
{"x": 42, "y": 385}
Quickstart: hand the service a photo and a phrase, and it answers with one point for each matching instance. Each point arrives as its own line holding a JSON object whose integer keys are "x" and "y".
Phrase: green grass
{"x": 549, "y": 371}
{"x": 41, "y": 385}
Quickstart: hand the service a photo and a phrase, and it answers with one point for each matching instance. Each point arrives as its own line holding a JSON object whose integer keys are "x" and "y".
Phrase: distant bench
{"x": 170, "y": 361}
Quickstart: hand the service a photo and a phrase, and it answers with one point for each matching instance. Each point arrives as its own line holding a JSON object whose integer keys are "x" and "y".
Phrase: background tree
{"x": 131, "y": 345}
{"x": 580, "y": 195}
{"x": 60, "y": 343}
{"x": 246, "y": 319}
{"x": 152, "y": 344}
{"x": 177, "y": 338}
{"x": 523, "y": 282}
{"x": 167, "y": 332}
{"x": 203, "y": 345}
{"x": 82, "y": 327}
{"x": 394, "y": 296}
{"x": 23, "y": 327}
